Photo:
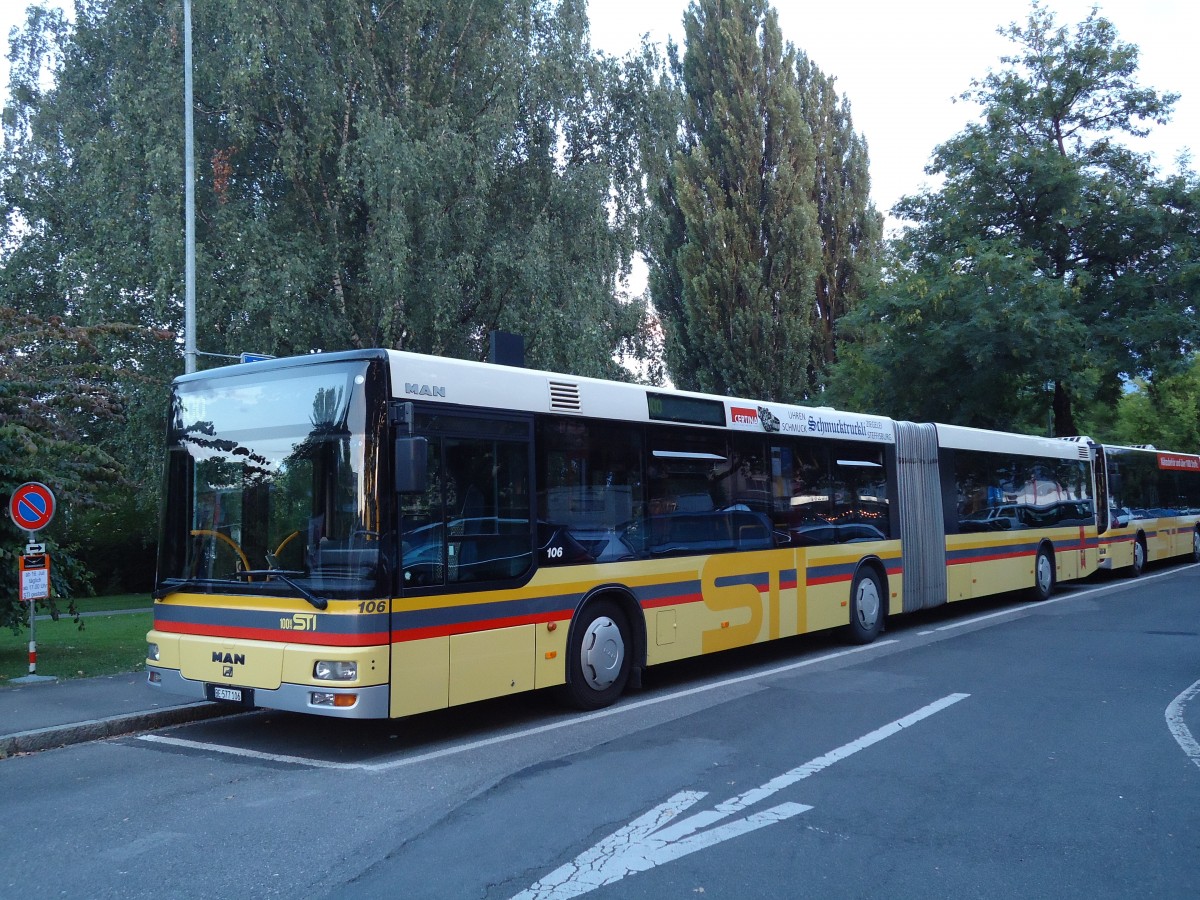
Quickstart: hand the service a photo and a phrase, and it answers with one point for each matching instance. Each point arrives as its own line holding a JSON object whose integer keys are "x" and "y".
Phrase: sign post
{"x": 31, "y": 509}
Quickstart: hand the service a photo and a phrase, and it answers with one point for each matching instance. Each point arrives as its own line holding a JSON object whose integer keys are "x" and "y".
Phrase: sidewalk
{"x": 41, "y": 716}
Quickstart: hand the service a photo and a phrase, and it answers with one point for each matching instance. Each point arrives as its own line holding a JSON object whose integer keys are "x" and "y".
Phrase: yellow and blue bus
{"x": 1154, "y": 507}
{"x": 379, "y": 533}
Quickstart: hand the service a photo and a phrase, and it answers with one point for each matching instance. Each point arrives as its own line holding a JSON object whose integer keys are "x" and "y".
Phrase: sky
{"x": 902, "y": 63}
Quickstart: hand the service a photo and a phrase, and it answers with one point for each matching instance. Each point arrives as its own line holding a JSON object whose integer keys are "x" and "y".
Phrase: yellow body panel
{"x": 491, "y": 663}
{"x": 420, "y": 676}
{"x": 228, "y": 661}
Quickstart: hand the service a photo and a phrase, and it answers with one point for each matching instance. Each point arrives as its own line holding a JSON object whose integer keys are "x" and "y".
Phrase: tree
{"x": 58, "y": 396}
{"x": 412, "y": 176}
{"x": 1051, "y": 263}
{"x": 736, "y": 248}
{"x": 851, "y": 227}
{"x": 1165, "y": 414}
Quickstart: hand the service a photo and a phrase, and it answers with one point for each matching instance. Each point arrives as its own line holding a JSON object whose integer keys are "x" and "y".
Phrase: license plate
{"x": 244, "y": 696}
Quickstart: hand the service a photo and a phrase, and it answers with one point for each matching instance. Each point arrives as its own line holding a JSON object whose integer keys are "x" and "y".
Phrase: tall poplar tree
{"x": 851, "y": 227}
{"x": 736, "y": 249}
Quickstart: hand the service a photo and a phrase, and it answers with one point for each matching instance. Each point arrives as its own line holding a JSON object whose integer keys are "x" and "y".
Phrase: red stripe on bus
{"x": 435, "y": 631}
{"x": 274, "y": 635}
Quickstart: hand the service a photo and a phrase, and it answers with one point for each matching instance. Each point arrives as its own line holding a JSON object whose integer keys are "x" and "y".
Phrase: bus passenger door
{"x": 465, "y": 539}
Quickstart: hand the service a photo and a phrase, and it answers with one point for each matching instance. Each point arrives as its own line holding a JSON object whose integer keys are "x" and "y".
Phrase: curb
{"x": 113, "y": 726}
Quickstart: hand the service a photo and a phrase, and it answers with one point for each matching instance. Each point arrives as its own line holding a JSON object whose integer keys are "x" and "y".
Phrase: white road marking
{"x": 249, "y": 754}
{"x": 1032, "y": 607}
{"x": 1180, "y": 731}
{"x": 571, "y": 722}
{"x": 651, "y": 840}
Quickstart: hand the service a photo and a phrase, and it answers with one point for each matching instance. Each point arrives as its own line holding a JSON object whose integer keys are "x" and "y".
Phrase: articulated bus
{"x": 376, "y": 534}
{"x": 1154, "y": 500}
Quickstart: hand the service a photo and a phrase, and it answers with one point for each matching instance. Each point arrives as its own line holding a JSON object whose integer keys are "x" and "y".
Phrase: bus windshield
{"x": 272, "y": 485}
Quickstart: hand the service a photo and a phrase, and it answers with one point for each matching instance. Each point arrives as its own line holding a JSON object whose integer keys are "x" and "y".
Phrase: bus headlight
{"x": 152, "y": 652}
{"x": 335, "y": 670}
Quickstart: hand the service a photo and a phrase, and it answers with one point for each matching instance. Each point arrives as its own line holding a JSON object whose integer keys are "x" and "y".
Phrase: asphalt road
{"x": 1002, "y": 749}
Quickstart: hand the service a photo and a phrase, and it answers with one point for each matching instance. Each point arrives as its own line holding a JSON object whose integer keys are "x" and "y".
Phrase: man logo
{"x": 424, "y": 390}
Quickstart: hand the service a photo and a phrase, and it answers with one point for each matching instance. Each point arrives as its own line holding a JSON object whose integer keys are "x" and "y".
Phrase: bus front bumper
{"x": 370, "y": 702}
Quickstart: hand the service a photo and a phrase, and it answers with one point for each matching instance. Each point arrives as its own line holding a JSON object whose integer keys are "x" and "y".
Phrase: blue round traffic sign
{"x": 32, "y": 506}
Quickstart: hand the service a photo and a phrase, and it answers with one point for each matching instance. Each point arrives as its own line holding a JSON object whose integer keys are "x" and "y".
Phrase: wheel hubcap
{"x": 866, "y": 604}
{"x": 602, "y": 653}
{"x": 1045, "y": 573}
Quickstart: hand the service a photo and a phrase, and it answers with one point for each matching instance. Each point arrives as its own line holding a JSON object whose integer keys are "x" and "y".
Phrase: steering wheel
{"x": 287, "y": 540}
{"x": 197, "y": 532}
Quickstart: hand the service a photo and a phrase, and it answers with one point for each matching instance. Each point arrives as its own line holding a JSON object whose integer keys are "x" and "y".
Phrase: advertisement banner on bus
{"x": 811, "y": 422}
{"x": 1178, "y": 462}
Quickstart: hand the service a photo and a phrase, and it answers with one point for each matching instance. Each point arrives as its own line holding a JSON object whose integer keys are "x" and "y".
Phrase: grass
{"x": 107, "y": 645}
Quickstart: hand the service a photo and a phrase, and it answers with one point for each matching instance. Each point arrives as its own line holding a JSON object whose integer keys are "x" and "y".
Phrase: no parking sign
{"x": 32, "y": 506}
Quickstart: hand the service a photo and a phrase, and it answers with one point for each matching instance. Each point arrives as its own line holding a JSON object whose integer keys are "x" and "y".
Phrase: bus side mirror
{"x": 412, "y": 458}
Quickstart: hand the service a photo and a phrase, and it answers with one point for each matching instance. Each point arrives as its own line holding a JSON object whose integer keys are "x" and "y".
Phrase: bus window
{"x": 802, "y": 507}
{"x": 589, "y": 486}
{"x": 472, "y": 524}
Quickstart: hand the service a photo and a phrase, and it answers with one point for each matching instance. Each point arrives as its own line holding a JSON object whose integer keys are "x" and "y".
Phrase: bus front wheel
{"x": 1139, "y": 557}
{"x": 866, "y": 606}
{"x": 598, "y": 658}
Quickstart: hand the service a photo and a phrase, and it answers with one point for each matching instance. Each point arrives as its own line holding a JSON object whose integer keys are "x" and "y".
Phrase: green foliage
{"x": 59, "y": 397}
{"x": 851, "y": 227}
{"x": 1052, "y": 262}
{"x": 761, "y": 232}
{"x": 409, "y": 176}
{"x": 1165, "y": 413}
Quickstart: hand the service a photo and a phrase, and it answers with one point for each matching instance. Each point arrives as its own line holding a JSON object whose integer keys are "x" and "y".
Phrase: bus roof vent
{"x": 1085, "y": 452}
{"x": 564, "y": 396}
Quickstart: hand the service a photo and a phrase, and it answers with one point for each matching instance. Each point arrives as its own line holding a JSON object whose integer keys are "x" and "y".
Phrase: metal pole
{"x": 32, "y": 621}
{"x": 189, "y": 191}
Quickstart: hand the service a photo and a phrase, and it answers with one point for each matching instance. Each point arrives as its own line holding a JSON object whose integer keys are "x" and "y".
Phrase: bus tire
{"x": 866, "y": 606}
{"x": 1196, "y": 546}
{"x": 1043, "y": 574}
{"x": 599, "y": 656}
{"x": 1139, "y": 557}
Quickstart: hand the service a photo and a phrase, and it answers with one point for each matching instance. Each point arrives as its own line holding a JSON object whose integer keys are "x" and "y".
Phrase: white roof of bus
{"x": 960, "y": 438}
{"x": 467, "y": 383}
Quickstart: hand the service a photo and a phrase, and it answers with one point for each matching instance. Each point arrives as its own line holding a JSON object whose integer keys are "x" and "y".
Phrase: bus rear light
{"x": 152, "y": 652}
{"x": 335, "y": 670}
{"x": 154, "y": 678}
{"x": 338, "y": 701}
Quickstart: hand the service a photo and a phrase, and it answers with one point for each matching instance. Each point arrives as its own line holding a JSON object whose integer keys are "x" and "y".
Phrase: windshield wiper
{"x": 286, "y": 577}
{"x": 161, "y": 593}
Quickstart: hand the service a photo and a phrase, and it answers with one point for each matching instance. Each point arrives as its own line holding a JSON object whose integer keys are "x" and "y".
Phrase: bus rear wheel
{"x": 1139, "y": 557}
{"x": 1043, "y": 574}
{"x": 866, "y": 606}
{"x": 1196, "y": 546}
{"x": 598, "y": 658}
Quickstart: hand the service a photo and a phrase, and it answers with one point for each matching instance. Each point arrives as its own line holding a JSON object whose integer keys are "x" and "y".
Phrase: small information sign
{"x": 35, "y": 577}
